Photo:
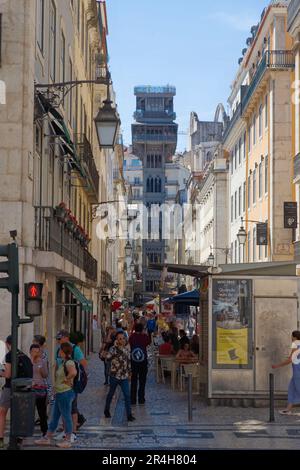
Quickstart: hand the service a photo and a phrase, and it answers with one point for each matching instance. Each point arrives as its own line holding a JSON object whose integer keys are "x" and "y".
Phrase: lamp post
{"x": 211, "y": 258}
{"x": 242, "y": 234}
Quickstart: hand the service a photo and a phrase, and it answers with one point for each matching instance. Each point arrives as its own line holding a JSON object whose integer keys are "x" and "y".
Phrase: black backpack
{"x": 25, "y": 368}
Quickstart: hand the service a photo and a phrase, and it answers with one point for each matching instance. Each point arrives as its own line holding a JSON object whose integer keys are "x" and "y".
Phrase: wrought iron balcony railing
{"x": 85, "y": 153}
{"x": 293, "y": 11}
{"x": 51, "y": 235}
{"x": 231, "y": 123}
{"x": 274, "y": 60}
{"x": 144, "y": 114}
{"x": 154, "y": 138}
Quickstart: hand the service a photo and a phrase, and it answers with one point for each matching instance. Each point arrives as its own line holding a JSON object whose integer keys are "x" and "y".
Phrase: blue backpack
{"x": 81, "y": 379}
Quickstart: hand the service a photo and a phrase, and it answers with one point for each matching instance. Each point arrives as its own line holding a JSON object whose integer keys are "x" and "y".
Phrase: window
{"x": 240, "y": 200}
{"x": 82, "y": 29}
{"x": 136, "y": 180}
{"x": 254, "y": 244}
{"x": 231, "y": 162}
{"x": 254, "y": 186}
{"x": 231, "y": 214}
{"x": 254, "y": 129}
{"x": 62, "y": 58}
{"x": 235, "y": 156}
{"x": 40, "y": 23}
{"x": 249, "y": 245}
{"x": 231, "y": 252}
{"x": 266, "y": 110}
{"x": 249, "y": 192}
{"x": 260, "y": 121}
{"x": 266, "y": 173}
{"x": 249, "y": 139}
{"x": 266, "y": 246}
{"x": 244, "y": 196}
{"x": 235, "y": 252}
{"x": 244, "y": 146}
{"x": 260, "y": 252}
{"x": 240, "y": 150}
{"x": 260, "y": 180}
{"x": 136, "y": 193}
{"x": 52, "y": 45}
{"x": 70, "y": 95}
{"x": 235, "y": 205}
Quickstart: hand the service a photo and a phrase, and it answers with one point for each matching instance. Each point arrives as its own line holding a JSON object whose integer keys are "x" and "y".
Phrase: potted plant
{"x": 61, "y": 212}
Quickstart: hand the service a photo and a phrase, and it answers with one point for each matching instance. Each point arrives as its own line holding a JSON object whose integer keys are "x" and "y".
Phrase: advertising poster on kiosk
{"x": 232, "y": 323}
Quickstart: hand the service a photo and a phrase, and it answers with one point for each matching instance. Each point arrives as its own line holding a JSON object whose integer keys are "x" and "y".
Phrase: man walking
{"x": 139, "y": 363}
{"x": 120, "y": 371}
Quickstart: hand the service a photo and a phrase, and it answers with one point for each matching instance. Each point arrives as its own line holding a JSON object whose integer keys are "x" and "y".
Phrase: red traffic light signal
{"x": 33, "y": 291}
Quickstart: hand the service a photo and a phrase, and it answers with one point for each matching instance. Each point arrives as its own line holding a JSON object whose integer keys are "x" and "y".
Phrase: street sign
{"x": 290, "y": 215}
{"x": 262, "y": 234}
{"x": 33, "y": 299}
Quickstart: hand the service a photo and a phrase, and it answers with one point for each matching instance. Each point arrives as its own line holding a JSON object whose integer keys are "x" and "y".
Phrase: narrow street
{"x": 162, "y": 423}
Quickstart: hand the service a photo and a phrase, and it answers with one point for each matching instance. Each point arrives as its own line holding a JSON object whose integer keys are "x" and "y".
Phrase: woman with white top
{"x": 294, "y": 386}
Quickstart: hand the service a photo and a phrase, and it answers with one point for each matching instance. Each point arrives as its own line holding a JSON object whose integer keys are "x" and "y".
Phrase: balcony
{"x": 52, "y": 236}
{"x": 297, "y": 166}
{"x": 293, "y": 11}
{"x": 141, "y": 138}
{"x": 141, "y": 114}
{"x": 86, "y": 158}
{"x": 106, "y": 280}
{"x": 271, "y": 60}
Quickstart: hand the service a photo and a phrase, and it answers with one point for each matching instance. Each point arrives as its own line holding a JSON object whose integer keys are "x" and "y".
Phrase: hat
{"x": 62, "y": 334}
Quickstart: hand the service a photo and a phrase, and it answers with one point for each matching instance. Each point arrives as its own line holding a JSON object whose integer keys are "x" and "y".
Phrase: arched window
{"x": 157, "y": 185}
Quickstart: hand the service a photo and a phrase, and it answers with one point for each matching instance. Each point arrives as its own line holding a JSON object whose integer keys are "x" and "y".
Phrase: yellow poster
{"x": 232, "y": 346}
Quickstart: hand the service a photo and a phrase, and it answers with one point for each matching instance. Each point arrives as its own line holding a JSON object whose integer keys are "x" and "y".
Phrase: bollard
{"x": 190, "y": 391}
{"x": 272, "y": 403}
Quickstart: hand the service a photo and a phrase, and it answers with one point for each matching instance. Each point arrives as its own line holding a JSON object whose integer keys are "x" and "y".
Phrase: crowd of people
{"x": 124, "y": 352}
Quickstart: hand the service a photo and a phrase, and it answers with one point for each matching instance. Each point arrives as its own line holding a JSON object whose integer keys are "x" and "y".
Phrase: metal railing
{"x": 293, "y": 11}
{"x": 280, "y": 60}
{"x": 154, "y": 138}
{"x": 144, "y": 114}
{"x": 155, "y": 89}
{"x": 86, "y": 157}
{"x": 51, "y": 235}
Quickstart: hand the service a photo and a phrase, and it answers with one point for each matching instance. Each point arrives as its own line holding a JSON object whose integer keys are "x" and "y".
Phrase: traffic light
{"x": 10, "y": 267}
{"x": 33, "y": 299}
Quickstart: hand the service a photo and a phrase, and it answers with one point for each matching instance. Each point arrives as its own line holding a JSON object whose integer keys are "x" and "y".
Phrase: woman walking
{"x": 64, "y": 377}
{"x": 294, "y": 386}
{"x": 40, "y": 384}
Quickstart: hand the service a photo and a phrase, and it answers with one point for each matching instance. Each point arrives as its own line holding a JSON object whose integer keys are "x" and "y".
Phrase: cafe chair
{"x": 185, "y": 370}
{"x": 165, "y": 366}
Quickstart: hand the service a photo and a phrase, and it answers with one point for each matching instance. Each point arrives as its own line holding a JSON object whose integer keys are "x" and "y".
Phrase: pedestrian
{"x": 183, "y": 338}
{"x": 41, "y": 341}
{"x": 185, "y": 354}
{"x": 24, "y": 370}
{"x": 105, "y": 347}
{"x": 63, "y": 336}
{"x": 166, "y": 349}
{"x": 151, "y": 326}
{"x": 64, "y": 377}
{"x": 139, "y": 363}
{"x": 39, "y": 384}
{"x": 120, "y": 372}
{"x": 294, "y": 385}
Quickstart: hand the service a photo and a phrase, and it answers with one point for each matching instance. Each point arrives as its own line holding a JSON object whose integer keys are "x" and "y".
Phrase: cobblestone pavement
{"x": 162, "y": 423}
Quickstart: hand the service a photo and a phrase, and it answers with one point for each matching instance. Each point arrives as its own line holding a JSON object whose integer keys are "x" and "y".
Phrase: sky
{"x": 191, "y": 44}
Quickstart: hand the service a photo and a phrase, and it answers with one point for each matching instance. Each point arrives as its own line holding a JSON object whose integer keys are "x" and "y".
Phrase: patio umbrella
{"x": 187, "y": 298}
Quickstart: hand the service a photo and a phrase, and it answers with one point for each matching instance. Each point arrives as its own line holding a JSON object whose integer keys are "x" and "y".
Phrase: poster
{"x": 232, "y": 323}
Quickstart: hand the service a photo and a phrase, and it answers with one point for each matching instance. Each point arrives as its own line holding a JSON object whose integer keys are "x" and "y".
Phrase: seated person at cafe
{"x": 185, "y": 354}
{"x": 166, "y": 349}
{"x": 183, "y": 338}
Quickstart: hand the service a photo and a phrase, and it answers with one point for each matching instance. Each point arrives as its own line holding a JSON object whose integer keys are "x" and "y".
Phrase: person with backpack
{"x": 64, "y": 382}
{"x": 63, "y": 336}
{"x": 24, "y": 370}
{"x": 39, "y": 384}
{"x": 139, "y": 363}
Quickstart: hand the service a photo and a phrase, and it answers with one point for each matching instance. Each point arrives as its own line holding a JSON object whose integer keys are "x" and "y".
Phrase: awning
{"x": 187, "y": 269}
{"x": 86, "y": 304}
{"x": 187, "y": 298}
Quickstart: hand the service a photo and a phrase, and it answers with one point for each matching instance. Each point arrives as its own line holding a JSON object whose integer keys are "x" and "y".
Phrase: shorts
{"x": 74, "y": 409}
{"x": 5, "y": 398}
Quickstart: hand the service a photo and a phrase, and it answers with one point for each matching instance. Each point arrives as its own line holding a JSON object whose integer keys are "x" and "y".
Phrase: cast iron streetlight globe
{"x": 107, "y": 124}
{"x": 242, "y": 236}
{"x": 132, "y": 266}
{"x": 211, "y": 259}
{"x": 128, "y": 249}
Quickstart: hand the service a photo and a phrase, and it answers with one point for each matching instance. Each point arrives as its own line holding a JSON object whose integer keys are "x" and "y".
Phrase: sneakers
{"x": 285, "y": 412}
{"x": 131, "y": 418}
{"x": 107, "y": 414}
{"x": 43, "y": 441}
{"x": 81, "y": 421}
{"x": 73, "y": 438}
{"x": 64, "y": 444}
{"x": 60, "y": 436}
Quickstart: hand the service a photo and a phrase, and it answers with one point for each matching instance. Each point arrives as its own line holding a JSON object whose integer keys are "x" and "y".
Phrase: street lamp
{"x": 128, "y": 249}
{"x": 107, "y": 124}
{"x": 211, "y": 259}
{"x": 242, "y": 236}
{"x": 132, "y": 266}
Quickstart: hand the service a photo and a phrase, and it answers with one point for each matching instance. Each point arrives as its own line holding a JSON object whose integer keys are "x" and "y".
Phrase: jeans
{"x": 107, "y": 364}
{"x": 124, "y": 384}
{"x": 62, "y": 407}
{"x": 139, "y": 375}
